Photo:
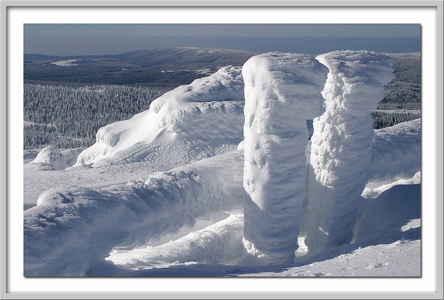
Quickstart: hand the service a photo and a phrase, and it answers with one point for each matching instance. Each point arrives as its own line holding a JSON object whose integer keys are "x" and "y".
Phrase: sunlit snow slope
{"x": 186, "y": 124}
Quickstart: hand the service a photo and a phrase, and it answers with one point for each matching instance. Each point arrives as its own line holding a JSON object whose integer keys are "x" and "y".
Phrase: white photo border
{"x": 16, "y": 13}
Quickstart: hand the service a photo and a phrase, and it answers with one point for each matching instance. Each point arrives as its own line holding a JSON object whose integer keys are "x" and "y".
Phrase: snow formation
{"x": 110, "y": 229}
{"x": 341, "y": 145}
{"x": 50, "y": 158}
{"x": 71, "y": 230}
{"x": 282, "y": 92}
{"x": 216, "y": 243}
{"x": 389, "y": 213}
{"x": 398, "y": 146}
{"x": 184, "y": 125}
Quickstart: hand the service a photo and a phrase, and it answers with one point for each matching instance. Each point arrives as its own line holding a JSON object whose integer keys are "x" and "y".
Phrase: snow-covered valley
{"x": 163, "y": 193}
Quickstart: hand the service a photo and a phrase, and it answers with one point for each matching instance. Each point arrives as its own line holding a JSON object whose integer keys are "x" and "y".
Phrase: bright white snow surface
{"x": 73, "y": 229}
{"x": 149, "y": 217}
{"x": 183, "y": 125}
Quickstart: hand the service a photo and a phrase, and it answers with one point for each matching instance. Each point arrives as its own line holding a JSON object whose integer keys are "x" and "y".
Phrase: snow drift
{"x": 399, "y": 147}
{"x": 218, "y": 243}
{"x": 184, "y": 125}
{"x": 341, "y": 147}
{"x": 388, "y": 214}
{"x": 71, "y": 230}
{"x": 282, "y": 92}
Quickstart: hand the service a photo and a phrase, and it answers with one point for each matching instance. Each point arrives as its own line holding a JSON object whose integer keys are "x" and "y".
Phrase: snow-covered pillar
{"x": 282, "y": 91}
{"x": 342, "y": 143}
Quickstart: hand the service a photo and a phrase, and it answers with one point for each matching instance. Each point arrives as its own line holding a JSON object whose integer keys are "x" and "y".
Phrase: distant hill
{"x": 159, "y": 67}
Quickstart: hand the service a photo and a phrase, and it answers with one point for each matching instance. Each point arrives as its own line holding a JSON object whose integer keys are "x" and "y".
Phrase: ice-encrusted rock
{"x": 282, "y": 91}
{"x": 342, "y": 144}
{"x": 191, "y": 122}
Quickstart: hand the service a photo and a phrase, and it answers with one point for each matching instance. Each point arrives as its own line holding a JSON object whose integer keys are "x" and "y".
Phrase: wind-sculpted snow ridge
{"x": 342, "y": 142}
{"x": 214, "y": 244}
{"x": 282, "y": 92}
{"x": 186, "y": 124}
{"x": 72, "y": 230}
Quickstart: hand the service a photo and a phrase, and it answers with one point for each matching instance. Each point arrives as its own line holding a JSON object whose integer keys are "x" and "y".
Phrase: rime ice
{"x": 282, "y": 91}
{"x": 342, "y": 144}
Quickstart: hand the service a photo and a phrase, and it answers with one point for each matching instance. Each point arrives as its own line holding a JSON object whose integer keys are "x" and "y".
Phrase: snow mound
{"x": 399, "y": 147}
{"x": 282, "y": 92}
{"x": 71, "y": 230}
{"x": 390, "y": 213}
{"x": 186, "y": 124}
{"x": 50, "y": 158}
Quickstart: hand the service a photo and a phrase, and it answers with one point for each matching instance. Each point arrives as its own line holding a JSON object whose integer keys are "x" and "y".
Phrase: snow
{"x": 72, "y": 229}
{"x": 281, "y": 93}
{"x": 399, "y": 146}
{"x": 65, "y": 63}
{"x": 52, "y": 158}
{"x": 162, "y": 194}
{"x": 391, "y": 211}
{"x": 218, "y": 243}
{"x": 70, "y": 62}
{"x": 184, "y": 125}
{"x": 341, "y": 145}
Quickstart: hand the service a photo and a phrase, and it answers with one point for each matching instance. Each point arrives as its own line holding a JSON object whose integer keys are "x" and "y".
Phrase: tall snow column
{"x": 341, "y": 144}
{"x": 282, "y": 91}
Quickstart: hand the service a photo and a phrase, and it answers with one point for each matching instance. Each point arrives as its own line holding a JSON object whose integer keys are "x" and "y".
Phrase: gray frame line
{"x": 5, "y": 166}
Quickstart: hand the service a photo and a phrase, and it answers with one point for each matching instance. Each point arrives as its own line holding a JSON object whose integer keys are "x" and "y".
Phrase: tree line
{"x": 382, "y": 119}
{"x": 69, "y": 117}
{"x": 404, "y": 92}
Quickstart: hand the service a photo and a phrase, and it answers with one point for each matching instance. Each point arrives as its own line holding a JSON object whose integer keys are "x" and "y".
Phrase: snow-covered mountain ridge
{"x": 84, "y": 231}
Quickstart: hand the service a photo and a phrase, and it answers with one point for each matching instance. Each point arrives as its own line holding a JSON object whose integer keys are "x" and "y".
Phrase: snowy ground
{"x": 212, "y": 247}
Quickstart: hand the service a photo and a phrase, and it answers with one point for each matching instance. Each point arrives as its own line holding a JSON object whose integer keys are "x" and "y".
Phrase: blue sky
{"x": 88, "y": 39}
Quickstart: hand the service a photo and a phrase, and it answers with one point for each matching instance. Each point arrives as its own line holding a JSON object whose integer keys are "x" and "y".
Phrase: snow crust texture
{"x": 282, "y": 91}
{"x": 342, "y": 142}
{"x": 184, "y": 125}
